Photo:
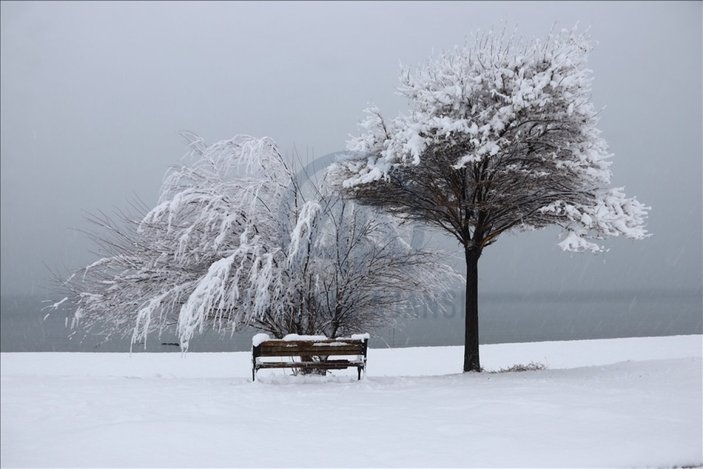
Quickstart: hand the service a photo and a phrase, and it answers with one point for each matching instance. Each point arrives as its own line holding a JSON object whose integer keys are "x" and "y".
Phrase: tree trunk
{"x": 471, "y": 357}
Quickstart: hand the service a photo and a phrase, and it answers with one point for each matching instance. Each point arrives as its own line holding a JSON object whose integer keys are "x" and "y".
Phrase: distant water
{"x": 529, "y": 317}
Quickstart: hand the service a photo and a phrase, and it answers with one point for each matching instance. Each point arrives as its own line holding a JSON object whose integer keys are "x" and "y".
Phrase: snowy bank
{"x": 617, "y": 402}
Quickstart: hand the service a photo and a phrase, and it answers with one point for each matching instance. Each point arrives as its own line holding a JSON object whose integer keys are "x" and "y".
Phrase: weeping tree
{"x": 236, "y": 240}
{"x": 500, "y": 136}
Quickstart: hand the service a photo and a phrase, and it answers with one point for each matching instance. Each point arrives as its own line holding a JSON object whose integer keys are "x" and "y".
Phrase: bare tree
{"x": 356, "y": 270}
{"x": 233, "y": 241}
{"x": 500, "y": 136}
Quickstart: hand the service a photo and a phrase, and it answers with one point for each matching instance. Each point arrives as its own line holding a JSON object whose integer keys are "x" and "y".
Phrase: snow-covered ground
{"x": 616, "y": 402}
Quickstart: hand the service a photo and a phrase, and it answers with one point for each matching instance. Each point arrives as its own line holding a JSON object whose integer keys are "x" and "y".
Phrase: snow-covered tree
{"x": 500, "y": 136}
{"x": 233, "y": 242}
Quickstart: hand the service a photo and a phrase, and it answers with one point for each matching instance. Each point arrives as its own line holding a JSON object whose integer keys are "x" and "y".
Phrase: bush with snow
{"x": 234, "y": 241}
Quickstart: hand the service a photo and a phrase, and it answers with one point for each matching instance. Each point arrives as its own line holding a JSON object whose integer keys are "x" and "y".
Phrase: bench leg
{"x": 358, "y": 370}
{"x": 253, "y": 374}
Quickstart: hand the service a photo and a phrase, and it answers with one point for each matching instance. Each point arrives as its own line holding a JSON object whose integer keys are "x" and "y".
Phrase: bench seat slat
{"x": 304, "y": 343}
{"x": 316, "y": 351}
{"x": 326, "y": 365}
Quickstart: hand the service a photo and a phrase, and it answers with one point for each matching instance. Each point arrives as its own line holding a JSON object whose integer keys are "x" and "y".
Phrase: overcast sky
{"x": 94, "y": 94}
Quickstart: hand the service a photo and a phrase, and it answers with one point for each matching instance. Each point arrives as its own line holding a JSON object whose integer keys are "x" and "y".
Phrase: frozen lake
{"x": 510, "y": 318}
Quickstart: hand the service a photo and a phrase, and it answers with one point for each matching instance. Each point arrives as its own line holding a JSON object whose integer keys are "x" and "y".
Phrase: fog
{"x": 95, "y": 93}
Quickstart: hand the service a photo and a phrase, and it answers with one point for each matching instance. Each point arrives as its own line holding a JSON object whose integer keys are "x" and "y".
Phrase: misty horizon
{"x": 94, "y": 95}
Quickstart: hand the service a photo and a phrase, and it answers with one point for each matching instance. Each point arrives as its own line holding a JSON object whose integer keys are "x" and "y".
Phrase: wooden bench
{"x": 313, "y": 353}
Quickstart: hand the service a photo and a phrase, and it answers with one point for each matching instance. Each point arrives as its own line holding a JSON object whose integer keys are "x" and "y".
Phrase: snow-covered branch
{"x": 501, "y": 134}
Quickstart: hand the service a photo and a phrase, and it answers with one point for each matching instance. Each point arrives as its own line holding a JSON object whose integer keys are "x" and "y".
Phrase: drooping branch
{"x": 233, "y": 243}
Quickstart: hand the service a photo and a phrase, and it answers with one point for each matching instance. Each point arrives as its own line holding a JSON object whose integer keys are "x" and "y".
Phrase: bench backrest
{"x": 296, "y": 348}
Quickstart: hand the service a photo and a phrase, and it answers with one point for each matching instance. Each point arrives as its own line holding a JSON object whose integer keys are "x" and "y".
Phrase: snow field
{"x": 618, "y": 402}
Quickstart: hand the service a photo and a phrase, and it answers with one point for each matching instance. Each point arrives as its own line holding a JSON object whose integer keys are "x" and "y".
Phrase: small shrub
{"x": 532, "y": 366}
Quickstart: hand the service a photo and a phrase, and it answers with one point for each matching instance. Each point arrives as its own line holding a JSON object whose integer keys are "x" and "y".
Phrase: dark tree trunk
{"x": 471, "y": 357}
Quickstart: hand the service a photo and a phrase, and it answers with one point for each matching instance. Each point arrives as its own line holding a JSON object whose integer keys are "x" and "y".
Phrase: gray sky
{"x": 94, "y": 94}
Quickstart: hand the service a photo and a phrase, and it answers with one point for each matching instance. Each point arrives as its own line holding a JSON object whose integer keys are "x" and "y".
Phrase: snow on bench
{"x": 312, "y": 352}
